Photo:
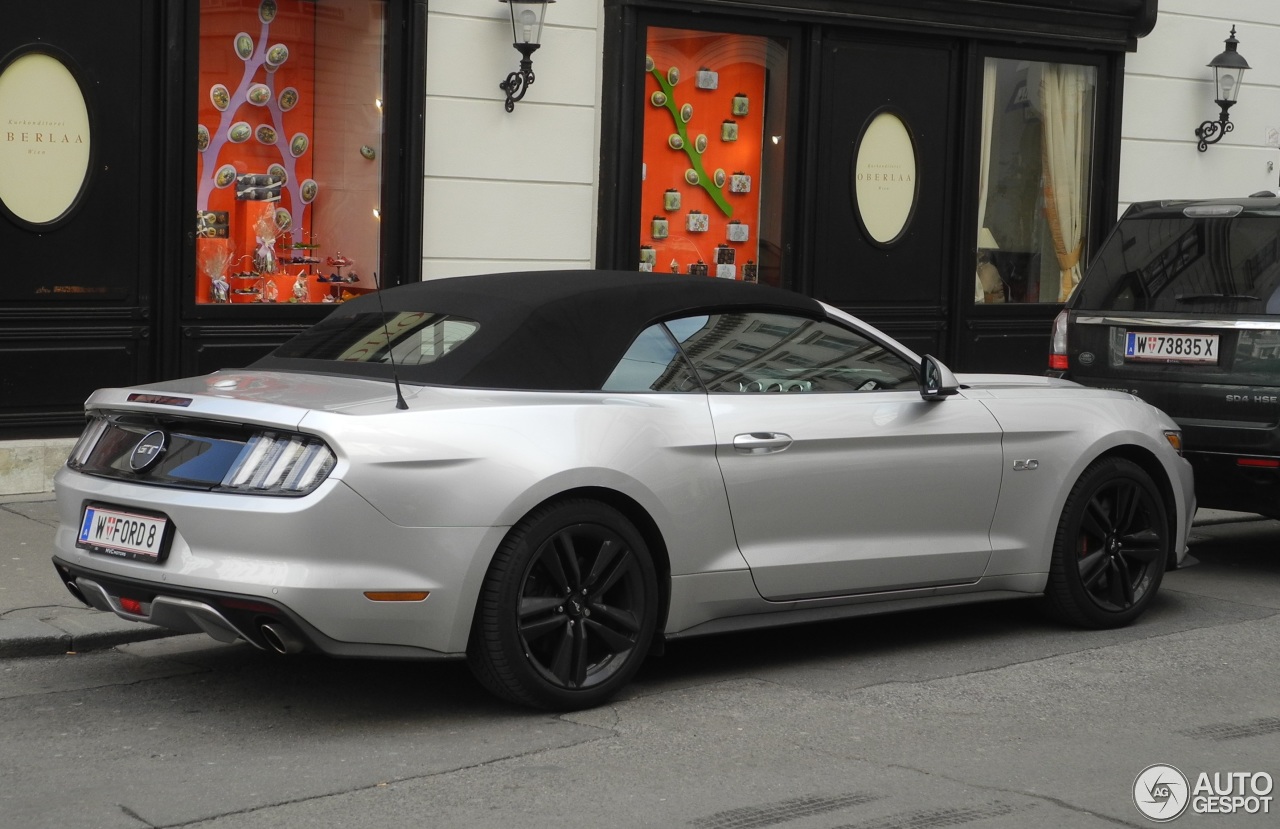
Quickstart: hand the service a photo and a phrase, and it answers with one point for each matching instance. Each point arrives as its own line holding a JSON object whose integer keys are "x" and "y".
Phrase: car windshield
{"x": 1188, "y": 265}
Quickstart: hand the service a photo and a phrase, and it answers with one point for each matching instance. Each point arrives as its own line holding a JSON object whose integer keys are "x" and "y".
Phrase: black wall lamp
{"x": 527, "y": 17}
{"x": 1228, "y": 74}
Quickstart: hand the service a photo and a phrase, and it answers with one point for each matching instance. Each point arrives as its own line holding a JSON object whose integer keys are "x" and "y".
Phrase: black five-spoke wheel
{"x": 1111, "y": 548}
{"x": 567, "y": 610}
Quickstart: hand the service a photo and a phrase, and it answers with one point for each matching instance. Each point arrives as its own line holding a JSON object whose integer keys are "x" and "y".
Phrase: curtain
{"x": 1064, "y": 93}
{"x": 984, "y": 164}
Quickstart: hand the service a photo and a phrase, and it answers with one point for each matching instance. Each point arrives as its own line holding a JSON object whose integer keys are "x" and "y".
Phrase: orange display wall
{"x": 703, "y": 133}
{"x": 256, "y": 136}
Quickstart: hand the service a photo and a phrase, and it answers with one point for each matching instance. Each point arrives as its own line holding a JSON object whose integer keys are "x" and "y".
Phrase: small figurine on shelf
{"x": 300, "y": 290}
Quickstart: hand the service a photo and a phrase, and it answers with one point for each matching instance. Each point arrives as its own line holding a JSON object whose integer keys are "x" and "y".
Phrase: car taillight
{"x": 88, "y": 440}
{"x": 1259, "y": 463}
{"x": 1058, "y": 343}
{"x": 276, "y": 464}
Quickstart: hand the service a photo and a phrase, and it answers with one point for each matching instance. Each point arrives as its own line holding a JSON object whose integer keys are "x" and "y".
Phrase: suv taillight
{"x": 1058, "y": 343}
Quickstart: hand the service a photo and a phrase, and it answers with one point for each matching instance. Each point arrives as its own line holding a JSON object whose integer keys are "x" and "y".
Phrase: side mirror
{"x": 937, "y": 381}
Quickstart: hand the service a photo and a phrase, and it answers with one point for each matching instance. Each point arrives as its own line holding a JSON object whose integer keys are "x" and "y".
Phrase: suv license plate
{"x": 1171, "y": 348}
{"x": 126, "y": 534}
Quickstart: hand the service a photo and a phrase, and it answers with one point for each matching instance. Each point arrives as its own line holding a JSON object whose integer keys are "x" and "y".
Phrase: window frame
{"x": 1103, "y": 180}
{"x": 845, "y": 329}
{"x": 401, "y": 160}
{"x": 619, "y": 211}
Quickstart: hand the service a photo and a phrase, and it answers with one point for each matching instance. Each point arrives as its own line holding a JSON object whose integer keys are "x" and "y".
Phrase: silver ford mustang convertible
{"x": 552, "y": 474}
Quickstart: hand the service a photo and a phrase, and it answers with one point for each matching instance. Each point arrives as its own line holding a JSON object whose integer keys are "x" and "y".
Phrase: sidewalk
{"x": 39, "y": 617}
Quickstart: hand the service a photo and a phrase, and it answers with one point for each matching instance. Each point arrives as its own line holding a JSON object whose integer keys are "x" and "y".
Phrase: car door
{"x": 841, "y": 479}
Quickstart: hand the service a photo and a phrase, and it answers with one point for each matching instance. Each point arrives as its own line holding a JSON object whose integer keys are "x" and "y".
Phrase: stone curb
{"x": 67, "y": 633}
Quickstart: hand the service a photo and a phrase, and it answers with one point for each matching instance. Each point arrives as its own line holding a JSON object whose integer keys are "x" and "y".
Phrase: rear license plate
{"x": 1171, "y": 348}
{"x": 124, "y": 533}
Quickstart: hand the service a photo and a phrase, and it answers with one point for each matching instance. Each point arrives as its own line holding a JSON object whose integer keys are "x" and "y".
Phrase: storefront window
{"x": 715, "y": 109}
{"x": 290, "y": 138}
{"x": 1034, "y": 175}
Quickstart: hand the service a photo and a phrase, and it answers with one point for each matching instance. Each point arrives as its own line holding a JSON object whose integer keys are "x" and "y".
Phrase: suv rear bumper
{"x": 1222, "y": 483}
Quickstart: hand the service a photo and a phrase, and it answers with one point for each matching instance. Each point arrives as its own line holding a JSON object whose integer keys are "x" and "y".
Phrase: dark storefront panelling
{"x": 930, "y": 63}
{"x": 106, "y": 294}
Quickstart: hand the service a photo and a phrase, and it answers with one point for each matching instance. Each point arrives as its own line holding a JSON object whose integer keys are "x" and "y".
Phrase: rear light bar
{"x": 1259, "y": 463}
{"x": 280, "y": 464}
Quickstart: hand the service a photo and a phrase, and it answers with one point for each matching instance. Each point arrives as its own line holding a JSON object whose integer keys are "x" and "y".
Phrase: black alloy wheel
{"x": 1111, "y": 548}
{"x": 567, "y": 609}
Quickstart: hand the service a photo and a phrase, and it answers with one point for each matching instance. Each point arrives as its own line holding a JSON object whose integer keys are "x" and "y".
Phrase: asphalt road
{"x": 981, "y": 716}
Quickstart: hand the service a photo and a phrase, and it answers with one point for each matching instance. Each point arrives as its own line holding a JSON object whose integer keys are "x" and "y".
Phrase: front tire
{"x": 1111, "y": 548}
{"x": 567, "y": 610}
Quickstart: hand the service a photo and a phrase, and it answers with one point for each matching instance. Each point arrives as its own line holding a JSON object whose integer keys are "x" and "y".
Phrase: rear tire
{"x": 1111, "y": 548}
{"x": 567, "y": 610}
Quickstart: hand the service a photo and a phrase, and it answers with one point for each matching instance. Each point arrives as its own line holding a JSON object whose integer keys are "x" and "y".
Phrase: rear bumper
{"x": 311, "y": 560}
{"x": 1222, "y": 483}
{"x": 226, "y": 617}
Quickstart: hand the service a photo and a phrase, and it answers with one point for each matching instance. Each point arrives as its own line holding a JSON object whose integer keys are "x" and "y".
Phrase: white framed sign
{"x": 44, "y": 138}
{"x": 885, "y": 177}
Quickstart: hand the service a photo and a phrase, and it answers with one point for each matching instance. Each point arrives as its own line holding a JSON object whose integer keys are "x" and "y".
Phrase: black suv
{"x": 1181, "y": 307}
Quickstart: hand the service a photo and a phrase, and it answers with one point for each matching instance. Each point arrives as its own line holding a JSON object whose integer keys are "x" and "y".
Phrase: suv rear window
{"x": 1187, "y": 264}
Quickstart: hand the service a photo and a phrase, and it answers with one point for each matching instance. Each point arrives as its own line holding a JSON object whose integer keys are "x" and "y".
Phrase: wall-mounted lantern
{"x": 1228, "y": 74}
{"x": 527, "y": 17}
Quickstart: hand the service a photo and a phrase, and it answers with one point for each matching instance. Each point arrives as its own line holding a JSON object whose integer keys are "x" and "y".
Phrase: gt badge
{"x": 148, "y": 451}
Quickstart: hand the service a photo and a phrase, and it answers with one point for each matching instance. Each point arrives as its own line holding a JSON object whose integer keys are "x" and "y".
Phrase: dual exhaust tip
{"x": 280, "y": 639}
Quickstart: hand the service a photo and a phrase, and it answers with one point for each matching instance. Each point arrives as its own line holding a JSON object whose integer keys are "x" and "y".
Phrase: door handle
{"x": 760, "y": 443}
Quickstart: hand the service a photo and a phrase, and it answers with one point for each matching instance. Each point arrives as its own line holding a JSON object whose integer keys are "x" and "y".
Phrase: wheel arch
{"x": 644, "y": 523}
{"x": 1150, "y": 464}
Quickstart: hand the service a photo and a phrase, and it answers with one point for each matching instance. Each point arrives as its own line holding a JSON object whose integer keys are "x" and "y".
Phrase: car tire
{"x": 1111, "y": 548}
{"x": 567, "y": 609}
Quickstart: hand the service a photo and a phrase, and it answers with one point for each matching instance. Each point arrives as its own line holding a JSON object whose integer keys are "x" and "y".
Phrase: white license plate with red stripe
{"x": 1171, "y": 348}
{"x": 123, "y": 533}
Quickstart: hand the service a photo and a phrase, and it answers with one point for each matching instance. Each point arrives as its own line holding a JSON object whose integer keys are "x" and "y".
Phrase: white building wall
{"x": 1169, "y": 92}
{"x": 510, "y": 191}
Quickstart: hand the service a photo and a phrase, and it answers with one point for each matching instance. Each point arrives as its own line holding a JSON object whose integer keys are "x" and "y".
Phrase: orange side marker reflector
{"x": 411, "y": 596}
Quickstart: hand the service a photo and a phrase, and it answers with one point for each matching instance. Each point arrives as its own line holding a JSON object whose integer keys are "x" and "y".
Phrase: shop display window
{"x": 714, "y": 110}
{"x": 290, "y": 136}
{"x": 1034, "y": 175}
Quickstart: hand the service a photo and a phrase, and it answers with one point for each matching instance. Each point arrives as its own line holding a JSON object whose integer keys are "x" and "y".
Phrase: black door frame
{"x": 1096, "y": 32}
{"x": 1024, "y": 327}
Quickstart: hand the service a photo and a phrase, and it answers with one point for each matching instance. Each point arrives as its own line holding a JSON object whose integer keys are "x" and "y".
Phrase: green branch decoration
{"x": 694, "y": 153}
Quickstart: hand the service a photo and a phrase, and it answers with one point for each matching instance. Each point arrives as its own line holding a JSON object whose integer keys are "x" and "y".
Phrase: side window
{"x": 761, "y": 352}
{"x": 653, "y": 363}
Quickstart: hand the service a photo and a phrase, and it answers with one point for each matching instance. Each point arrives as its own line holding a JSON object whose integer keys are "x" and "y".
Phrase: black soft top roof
{"x": 550, "y": 330}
